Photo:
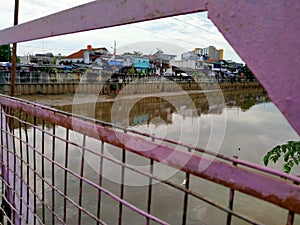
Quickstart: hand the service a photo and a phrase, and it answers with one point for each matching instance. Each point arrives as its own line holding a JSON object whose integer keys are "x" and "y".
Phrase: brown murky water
{"x": 244, "y": 123}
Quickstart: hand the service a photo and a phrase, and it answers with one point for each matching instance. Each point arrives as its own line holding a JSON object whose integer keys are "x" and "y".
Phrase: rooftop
{"x": 80, "y": 53}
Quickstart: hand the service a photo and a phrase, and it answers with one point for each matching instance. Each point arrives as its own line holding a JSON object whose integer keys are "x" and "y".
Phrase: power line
{"x": 43, "y": 48}
{"x": 193, "y": 43}
{"x": 190, "y": 24}
{"x": 202, "y": 36}
{"x": 199, "y": 28}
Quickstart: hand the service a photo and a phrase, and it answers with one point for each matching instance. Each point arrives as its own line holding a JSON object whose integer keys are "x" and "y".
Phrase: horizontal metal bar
{"x": 54, "y": 188}
{"x": 89, "y": 182}
{"x": 98, "y": 14}
{"x": 282, "y": 193}
{"x": 171, "y": 184}
{"x": 23, "y": 217}
{"x": 166, "y": 140}
{"x": 151, "y": 176}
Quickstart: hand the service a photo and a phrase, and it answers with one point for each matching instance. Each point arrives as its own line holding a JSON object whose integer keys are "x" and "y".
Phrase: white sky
{"x": 173, "y": 35}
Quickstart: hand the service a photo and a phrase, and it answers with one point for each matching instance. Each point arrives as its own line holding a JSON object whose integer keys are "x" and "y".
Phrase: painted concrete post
{"x": 266, "y": 36}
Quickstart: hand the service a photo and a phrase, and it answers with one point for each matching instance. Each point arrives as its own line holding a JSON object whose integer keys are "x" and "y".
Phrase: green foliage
{"x": 113, "y": 86}
{"x": 290, "y": 153}
{"x": 5, "y": 53}
{"x": 197, "y": 74}
{"x": 248, "y": 73}
{"x": 57, "y": 57}
{"x": 137, "y": 53}
{"x": 247, "y": 104}
{"x": 131, "y": 71}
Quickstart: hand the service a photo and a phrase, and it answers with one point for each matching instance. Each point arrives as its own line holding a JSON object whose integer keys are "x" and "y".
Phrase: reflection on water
{"x": 243, "y": 123}
{"x": 197, "y": 119}
{"x": 147, "y": 108}
{"x": 253, "y": 126}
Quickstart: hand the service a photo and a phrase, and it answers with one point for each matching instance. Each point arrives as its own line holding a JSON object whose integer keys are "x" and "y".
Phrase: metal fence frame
{"x": 17, "y": 188}
{"x": 225, "y": 171}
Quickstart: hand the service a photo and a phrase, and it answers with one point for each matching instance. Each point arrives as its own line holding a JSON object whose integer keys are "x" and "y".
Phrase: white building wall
{"x": 183, "y": 63}
{"x": 24, "y": 59}
{"x": 86, "y": 57}
{"x": 74, "y": 60}
{"x": 188, "y": 56}
{"x": 98, "y": 61}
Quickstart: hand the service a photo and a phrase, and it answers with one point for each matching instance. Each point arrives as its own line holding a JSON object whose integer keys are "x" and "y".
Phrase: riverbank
{"x": 70, "y": 99}
{"x": 114, "y": 88}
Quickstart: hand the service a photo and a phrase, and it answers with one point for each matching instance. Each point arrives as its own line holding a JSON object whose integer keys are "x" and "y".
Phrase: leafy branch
{"x": 290, "y": 153}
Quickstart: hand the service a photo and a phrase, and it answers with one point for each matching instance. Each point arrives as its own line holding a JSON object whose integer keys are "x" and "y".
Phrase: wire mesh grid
{"x": 54, "y": 174}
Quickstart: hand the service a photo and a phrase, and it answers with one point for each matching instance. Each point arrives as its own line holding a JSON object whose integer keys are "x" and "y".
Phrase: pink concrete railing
{"x": 262, "y": 33}
{"x": 31, "y": 169}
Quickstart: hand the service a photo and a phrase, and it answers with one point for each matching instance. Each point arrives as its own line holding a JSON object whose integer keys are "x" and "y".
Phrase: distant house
{"x": 110, "y": 62}
{"x": 40, "y": 59}
{"x": 142, "y": 64}
{"x": 210, "y": 53}
{"x": 186, "y": 65}
{"x": 190, "y": 55}
{"x": 86, "y": 56}
{"x": 128, "y": 60}
{"x": 163, "y": 56}
{"x": 161, "y": 62}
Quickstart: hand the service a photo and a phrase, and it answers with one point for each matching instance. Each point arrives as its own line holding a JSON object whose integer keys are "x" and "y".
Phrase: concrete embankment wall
{"x": 110, "y": 89}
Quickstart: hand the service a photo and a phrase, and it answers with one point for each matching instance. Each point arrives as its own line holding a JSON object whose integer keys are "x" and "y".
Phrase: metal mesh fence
{"x": 59, "y": 168}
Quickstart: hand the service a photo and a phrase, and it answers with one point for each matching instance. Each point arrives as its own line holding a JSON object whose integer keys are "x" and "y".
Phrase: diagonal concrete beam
{"x": 98, "y": 14}
{"x": 266, "y": 36}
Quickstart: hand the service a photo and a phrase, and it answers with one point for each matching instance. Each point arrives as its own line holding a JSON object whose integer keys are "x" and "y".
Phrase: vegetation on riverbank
{"x": 290, "y": 152}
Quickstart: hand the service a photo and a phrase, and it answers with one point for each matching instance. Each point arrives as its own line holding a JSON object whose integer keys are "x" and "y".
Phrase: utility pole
{"x": 14, "y": 54}
{"x": 115, "y": 52}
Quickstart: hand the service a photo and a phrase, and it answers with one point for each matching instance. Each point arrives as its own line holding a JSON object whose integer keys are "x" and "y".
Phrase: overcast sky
{"x": 172, "y": 35}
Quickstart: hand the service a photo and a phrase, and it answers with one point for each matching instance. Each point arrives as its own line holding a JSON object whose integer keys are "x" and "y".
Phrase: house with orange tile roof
{"x": 86, "y": 56}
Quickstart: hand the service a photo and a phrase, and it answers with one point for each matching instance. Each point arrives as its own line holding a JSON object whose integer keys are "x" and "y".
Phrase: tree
{"x": 131, "y": 70}
{"x": 56, "y": 57}
{"x": 247, "y": 72}
{"x": 5, "y": 53}
{"x": 138, "y": 53}
{"x": 159, "y": 51}
{"x": 290, "y": 153}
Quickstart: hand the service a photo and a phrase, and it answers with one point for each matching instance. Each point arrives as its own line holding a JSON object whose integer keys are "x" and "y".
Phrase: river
{"x": 247, "y": 124}
{"x": 251, "y": 123}
{"x": 242, "y": 123}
